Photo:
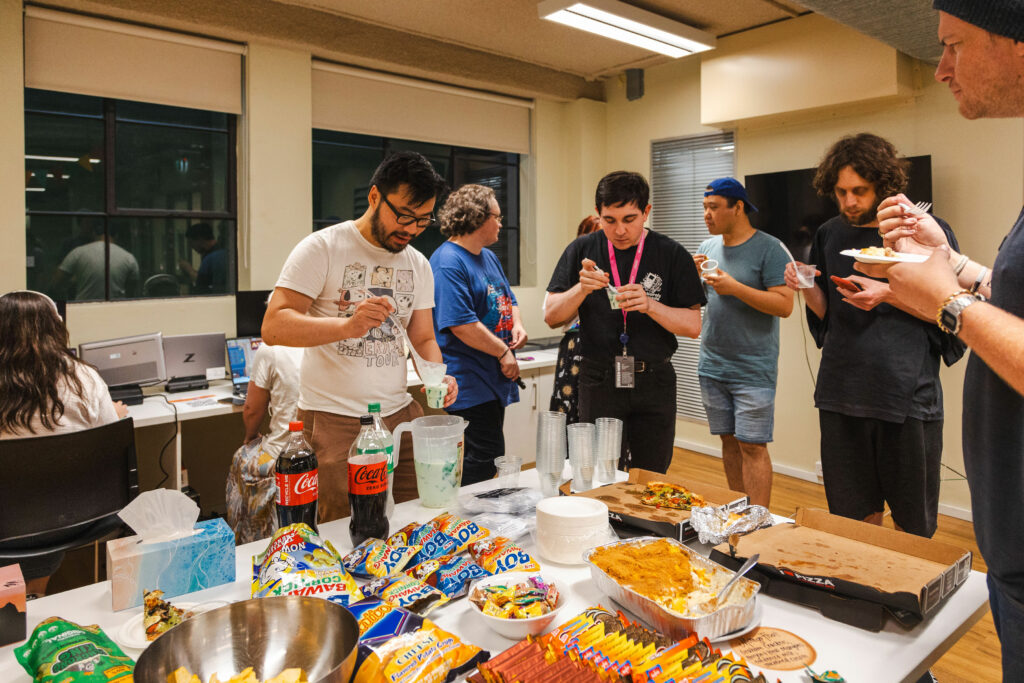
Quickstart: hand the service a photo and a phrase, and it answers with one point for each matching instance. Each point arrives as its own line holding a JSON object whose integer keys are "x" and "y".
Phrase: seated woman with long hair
{"x": 45, "y": 389}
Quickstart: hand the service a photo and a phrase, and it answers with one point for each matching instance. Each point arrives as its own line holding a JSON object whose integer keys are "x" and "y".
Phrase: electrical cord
{"x": 803, "y": 331}
{"x": 160, "y": 458}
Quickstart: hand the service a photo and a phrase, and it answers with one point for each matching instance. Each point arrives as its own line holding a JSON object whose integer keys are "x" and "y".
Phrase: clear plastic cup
{"x": 436, "y": 394}
{"x": 805, "y": 274}
{"x": 608, "y": 443}
{"x": 581, "y": 455}
{"x": 551, "y": 450}
{"x": 708, "y": 266}
{"x": 509, "y": 467}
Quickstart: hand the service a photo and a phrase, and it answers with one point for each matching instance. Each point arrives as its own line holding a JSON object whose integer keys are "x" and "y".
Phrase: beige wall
{"x": 12, "y": 146}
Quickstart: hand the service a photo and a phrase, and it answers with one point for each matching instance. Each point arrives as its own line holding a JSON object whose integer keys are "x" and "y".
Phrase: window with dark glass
{"x": 344, "y": 162}
{"x": 127, "y": 200}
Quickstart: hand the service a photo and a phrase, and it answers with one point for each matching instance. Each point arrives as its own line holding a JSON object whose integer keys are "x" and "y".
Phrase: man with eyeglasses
{"x": 339, "y": 294}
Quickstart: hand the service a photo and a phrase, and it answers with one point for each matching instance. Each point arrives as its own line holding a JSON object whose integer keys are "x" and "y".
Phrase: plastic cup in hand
{"x": 805, "y": 274}
{"x": 581, "y": 455}
{"x": 708, "y": 266}
{"x": 608, "y": 443}
{"x": 436, "y": 394}
{"x": 612, "y": 293}
{"x": 508, "y": 470}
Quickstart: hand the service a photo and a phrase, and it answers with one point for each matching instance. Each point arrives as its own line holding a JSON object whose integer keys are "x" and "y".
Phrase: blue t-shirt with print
{"x": 471, "y": 288}
{"x": 738, "y": 343}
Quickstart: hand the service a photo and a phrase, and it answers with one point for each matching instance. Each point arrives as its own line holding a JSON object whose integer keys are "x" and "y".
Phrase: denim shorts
{"x": 739, "y": 409}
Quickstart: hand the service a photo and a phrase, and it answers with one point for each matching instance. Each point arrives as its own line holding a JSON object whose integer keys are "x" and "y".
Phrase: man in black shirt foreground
{"x": 880, "y": 411}
{"x": 627, "y": 346}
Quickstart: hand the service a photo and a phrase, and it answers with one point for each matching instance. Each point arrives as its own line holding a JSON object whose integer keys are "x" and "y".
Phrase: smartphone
{"x": 846, "y": 284}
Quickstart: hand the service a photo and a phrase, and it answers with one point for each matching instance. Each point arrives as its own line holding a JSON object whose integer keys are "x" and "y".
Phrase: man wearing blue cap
{"x": 739, "y": 347}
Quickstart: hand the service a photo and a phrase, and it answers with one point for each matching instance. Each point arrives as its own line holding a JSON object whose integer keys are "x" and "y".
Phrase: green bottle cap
{"x": 373, "y": 408}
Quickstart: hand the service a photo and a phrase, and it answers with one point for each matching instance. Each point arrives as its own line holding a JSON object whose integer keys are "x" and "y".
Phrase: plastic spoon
{"x": 711, "y": 604}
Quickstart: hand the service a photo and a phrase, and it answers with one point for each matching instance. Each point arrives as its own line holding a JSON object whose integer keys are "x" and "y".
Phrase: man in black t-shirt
{"x": 627, "y": 349}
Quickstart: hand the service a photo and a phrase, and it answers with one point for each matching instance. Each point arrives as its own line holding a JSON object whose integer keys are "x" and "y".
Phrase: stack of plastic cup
{"x": 581, "y": 455}
{"x": 551, "y": 450}
{"x": 508, "y": 470}
{"x": 608, "y": 445}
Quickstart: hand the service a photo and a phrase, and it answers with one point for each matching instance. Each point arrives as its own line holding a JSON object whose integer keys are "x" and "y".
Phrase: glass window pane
{"x": 49, "y": 241}
{"x": 178, "y": 169}
{"x": 142, "y": 112}
{"x": 63, "y": 163}
{"x": 177, "y": 257}
{"x": 438, "y": 155}
{"x": 341, "y": 179}
{"x": 63, "y": 103}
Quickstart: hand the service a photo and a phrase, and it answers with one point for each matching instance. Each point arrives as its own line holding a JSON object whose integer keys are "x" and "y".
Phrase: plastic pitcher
{"x": 437, "y": 448}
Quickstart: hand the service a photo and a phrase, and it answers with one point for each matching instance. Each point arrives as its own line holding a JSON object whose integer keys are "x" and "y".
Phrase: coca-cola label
{"x": 368, "y": 479}
{"x": 297, "y": 489}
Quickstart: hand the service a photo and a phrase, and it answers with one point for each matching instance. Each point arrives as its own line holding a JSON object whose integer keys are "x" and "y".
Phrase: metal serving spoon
{"x": 712, "y": 603}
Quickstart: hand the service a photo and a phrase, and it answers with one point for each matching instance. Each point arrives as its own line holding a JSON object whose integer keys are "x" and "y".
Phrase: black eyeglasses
{"x": 408, "y": 219}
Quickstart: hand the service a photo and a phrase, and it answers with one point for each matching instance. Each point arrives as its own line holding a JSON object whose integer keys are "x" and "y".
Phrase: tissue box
{"x": 176, "y": 567}
{"x": 12, "y": 605}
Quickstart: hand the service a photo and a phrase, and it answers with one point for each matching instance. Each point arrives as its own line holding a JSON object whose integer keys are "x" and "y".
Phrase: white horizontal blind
{"x": 680, "y": 170}
{"x": 358, "y": 101}
{"x": 88, "y": 56}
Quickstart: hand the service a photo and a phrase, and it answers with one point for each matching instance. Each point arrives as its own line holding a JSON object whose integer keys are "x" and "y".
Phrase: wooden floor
{"x": 974, "y": 658}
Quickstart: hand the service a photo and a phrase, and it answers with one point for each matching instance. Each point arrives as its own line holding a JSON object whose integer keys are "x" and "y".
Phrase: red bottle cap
{"x": 295, "y": 426}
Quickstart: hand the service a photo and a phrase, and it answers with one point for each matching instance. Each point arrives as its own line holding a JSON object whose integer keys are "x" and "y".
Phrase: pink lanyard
{"x": 632, "y": 273}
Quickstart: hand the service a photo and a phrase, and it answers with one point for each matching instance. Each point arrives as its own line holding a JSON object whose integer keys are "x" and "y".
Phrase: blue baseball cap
{"x": 730, "y": 187}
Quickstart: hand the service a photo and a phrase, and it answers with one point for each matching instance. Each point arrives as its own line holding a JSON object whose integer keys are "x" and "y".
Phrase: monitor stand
{"x": 187, "y": 383}
{"x": 129, "y": 394}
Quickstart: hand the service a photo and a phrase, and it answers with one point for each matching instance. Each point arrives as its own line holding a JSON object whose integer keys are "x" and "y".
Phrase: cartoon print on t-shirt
{"x": 652, "y": 285}
{"x": 498, "y": 318}
{"x": 383, "y": 345}
{"x": 382, "y": 276}
{"x": 404, "y": 302}
{"x": 403, "y": 281}
{"x": 355, "y": 276}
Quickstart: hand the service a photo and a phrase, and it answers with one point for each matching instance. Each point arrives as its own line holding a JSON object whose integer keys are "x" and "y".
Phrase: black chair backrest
{"x": 58, "y": 484}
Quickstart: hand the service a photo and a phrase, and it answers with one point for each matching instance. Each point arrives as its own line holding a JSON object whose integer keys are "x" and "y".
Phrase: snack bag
{"x": 60, "y": 651}
{"x": 380, "y": 621}
{"x": 407, "y": 592}
{"x": 450, "y": 574}
{"x": 463, "y": 531}
{"x": 435, "y": 543}
{"x": 428, "y": 655}
{"x": 498, "y": 554}
{"x": 298, "y": 562}
{"x": 374, "y": 558}
{"x": 401, "y": 537}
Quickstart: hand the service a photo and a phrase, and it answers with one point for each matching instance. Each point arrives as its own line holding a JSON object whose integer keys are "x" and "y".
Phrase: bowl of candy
{"x": 516, "y": 604}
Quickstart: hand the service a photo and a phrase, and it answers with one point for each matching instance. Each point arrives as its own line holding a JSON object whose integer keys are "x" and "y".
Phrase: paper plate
{"x": 131, "y": 634}
{"x": 899, "y": 258}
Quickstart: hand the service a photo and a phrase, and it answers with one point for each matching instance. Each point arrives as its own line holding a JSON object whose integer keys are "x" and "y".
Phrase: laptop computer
{"x": 195, "y": 358}
{"x": 240, "y": 355}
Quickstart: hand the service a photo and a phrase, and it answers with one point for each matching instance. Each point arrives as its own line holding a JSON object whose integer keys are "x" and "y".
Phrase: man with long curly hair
{"x": 878, "y": 394}
{"x": 477, "y": 324}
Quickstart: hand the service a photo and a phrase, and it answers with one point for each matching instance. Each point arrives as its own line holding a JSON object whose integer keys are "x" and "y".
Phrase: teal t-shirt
{"x": 739, "y": 343}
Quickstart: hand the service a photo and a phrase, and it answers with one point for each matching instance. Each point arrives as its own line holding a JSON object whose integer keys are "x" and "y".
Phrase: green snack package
{"x": 60, "y": 651}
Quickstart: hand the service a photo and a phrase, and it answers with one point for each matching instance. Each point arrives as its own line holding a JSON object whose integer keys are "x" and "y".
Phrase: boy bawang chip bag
{"x": 498, "y": 554}
{"x": 62, "y": 651}
{"x": 299, "y": 562}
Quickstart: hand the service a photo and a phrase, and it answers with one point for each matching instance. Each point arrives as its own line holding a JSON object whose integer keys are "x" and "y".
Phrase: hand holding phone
{"x": 846, "y": 284}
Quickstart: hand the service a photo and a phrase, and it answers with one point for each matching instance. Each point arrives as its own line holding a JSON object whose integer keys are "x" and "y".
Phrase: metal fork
{"x": 921, "y": 206}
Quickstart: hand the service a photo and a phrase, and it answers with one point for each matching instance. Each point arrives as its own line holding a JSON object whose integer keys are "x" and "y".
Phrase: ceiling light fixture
{"x": 628, "y": 24}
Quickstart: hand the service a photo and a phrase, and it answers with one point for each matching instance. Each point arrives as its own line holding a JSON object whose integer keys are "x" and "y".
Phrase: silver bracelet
{"x": 961, "y": 264}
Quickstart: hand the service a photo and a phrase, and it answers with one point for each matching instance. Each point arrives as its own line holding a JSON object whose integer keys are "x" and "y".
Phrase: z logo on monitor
{"x": 189, "y": 357}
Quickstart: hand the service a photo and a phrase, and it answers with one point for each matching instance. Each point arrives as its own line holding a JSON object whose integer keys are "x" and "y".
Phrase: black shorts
{"x": 868, "y": 462}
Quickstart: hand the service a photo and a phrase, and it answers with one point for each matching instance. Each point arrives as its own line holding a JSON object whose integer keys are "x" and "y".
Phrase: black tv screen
{"x": 249, "y": 310}
{"x": 790, "y": 209}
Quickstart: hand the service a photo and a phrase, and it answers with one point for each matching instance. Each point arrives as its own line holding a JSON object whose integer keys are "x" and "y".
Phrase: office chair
{"x": 62, "y": 491}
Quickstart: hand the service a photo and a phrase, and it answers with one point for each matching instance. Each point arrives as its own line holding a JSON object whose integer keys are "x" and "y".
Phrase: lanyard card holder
{"x": 625, "y": 368}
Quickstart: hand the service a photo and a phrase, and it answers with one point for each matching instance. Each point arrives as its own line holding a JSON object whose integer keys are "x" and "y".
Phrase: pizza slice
{"x": 160, "y": 616}
{"x": 665, "y": 495}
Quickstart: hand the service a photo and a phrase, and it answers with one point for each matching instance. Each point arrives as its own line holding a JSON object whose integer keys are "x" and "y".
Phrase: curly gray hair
{"x": 465, "y": 210}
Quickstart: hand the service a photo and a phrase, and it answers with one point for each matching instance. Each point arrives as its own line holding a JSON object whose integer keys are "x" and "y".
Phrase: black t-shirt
{"x": 994, "y": 437}
{"x": 881, "y": 363}
{"x": 667, "y": 274}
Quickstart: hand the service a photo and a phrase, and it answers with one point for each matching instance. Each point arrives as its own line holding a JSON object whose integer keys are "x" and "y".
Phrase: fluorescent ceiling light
{"x": 40, "y": 157}
{"x": 628, "y": 24}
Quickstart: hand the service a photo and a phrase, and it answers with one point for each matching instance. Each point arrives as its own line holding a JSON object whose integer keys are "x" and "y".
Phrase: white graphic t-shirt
{"x": 337, "y": 263}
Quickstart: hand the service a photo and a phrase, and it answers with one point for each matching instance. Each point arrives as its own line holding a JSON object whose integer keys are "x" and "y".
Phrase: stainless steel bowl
{"x": 268, "y": 634}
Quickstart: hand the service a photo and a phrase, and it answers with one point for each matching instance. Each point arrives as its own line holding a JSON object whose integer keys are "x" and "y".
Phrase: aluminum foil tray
{"x": 731, "y": 617}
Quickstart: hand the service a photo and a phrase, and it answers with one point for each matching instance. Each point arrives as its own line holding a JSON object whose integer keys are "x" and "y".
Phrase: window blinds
{"x": 680, "y": 170}
{"x": 79, "y": 54}
{"x": 359, "y": 101}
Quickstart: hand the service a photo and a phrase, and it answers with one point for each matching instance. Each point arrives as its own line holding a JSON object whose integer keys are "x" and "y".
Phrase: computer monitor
{"x": 128, "y": 360}
{"x": 195, "y": 355}
{"x": 249, "y": 310}
{"x": 240, "y": 355}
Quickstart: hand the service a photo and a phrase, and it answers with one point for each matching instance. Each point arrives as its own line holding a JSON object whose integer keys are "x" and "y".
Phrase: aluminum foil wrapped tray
{"x": 710, "y": 576}
{"x": 715, "y": 525}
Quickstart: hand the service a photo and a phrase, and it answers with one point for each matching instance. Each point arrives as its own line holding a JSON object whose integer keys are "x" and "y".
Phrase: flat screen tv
{"x": 790, "y": 209}
{"x": 249, "y": 309}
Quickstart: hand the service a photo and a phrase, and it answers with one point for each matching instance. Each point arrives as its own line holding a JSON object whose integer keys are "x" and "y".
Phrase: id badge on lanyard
{"x": 625, "y": 364}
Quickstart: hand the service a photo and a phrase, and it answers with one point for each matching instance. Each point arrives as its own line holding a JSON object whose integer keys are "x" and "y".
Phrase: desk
{"x": 890, "y": 655}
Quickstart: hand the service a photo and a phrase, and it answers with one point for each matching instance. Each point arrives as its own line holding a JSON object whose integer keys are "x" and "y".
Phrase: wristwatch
{"x": 951, "y": 310}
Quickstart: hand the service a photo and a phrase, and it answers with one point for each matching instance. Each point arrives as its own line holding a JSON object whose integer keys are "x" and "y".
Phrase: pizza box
{"x": 851, "y": 571}
{"x": 624, "y": 506}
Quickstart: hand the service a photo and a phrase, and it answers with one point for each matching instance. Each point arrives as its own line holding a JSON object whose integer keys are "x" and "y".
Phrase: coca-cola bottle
{"x": 297, "y": 484}
{"x": 388, "y": 441}
{"x": 367, "y": 485}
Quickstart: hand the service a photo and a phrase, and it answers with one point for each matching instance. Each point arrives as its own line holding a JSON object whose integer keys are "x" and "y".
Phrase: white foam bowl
{"x": 517, "y": 629}
{"x": 567, "y": 526}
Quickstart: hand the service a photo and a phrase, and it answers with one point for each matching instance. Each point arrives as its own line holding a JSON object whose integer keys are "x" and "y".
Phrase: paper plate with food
{"x": 157, "y": 617}
{"x": 883, "y": 255}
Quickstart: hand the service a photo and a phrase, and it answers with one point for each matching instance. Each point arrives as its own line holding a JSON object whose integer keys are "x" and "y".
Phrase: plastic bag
{"x": 62, "y": 651}
{"x": 511, "y": 501}
{"x": 507, "y": 525}
{"x": 251, "y": 493}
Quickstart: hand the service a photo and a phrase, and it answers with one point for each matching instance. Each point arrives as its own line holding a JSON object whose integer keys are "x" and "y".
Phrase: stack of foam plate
{"x": 567, "y": 526}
